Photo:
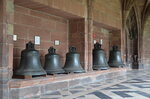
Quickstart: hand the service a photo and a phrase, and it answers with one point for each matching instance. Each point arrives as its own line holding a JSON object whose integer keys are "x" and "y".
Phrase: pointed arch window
{"x": 132, "y": 25}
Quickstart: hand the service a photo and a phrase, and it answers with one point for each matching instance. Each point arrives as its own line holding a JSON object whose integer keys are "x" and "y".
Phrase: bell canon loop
{"x": 30, "y": 62}
{"x": 72, "y": 63}
{"x": 52, "y": 62}
{"x": 99, "y": 58}
{"x": 115, "y": 59}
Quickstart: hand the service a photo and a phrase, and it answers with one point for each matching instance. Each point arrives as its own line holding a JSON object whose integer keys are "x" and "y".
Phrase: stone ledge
{"x": 23, "y": 88}
{"x": 20, "y": 83}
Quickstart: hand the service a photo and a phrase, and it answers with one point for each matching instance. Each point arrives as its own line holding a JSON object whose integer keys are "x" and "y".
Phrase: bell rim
{"x": 116, "y": 65}
{"x": 55, "y": 71}
{"x": 75, "y": 71}
{"x": 113, "y": 63}
{"x": 31, "y": 73}
{"x": 101, "y": 67}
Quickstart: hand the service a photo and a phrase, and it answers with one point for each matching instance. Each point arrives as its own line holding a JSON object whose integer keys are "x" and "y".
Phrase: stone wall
{"x": 6, "y": 46}
{"x": 107, "y": 23}
{"x": 108, "y": 37}
{"x": 101, "y": 33}
{"x": 76, "y": 8}
{"x": 115, "y": 37}
{"x": 76, "y": 36}
{"x": 69, "y": 21}
{"x": 30, "y": 23}
{"x": 75, "y": 12}
{"x": 107, "y": 12}
{"x": 146, "y": 44}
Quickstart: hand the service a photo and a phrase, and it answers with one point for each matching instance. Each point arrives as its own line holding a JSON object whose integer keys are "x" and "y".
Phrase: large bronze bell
{"x": 72, "y": 63}
{"x": 30, "y": 62}
{"x": 99, "y": 59}
{"x": 52, "y": 62}
{"x": 115, "y": 59}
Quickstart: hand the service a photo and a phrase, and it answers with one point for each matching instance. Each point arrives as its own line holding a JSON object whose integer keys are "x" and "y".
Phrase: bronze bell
{"x": 99, "y": 59}
{"x": 52, "y": 62}
{"x": 72, "y": 63}
{"x": 30, "y": 62}
{"x": 115, "y": 59}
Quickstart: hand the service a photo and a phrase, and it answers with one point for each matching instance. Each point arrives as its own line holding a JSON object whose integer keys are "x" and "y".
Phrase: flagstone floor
{"x": 135, "y": 85}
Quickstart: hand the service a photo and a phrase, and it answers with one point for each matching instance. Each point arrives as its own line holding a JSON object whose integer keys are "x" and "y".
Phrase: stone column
{"x": 89, "y": 35}
{"x": 6, "y": 46}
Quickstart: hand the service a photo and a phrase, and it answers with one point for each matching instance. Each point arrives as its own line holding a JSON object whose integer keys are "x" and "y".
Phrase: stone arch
{"x": 138, "y": 7}
{"x": 132, "y": 36}
{"x": 145, "y": 13}
{"x": 126, "y": 6}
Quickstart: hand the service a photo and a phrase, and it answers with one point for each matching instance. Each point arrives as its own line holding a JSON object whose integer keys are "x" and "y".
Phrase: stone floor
{"x": 135, "y": 85}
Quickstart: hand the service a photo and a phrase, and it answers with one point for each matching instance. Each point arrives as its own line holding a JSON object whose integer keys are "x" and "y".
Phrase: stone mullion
{"x": 139, "y": 40}
{"x": 86, "y": 39}
{"x": 127, "y": 5}
{"x": 123, "y": 33}
{"x": 139, "y": 22}
{"x": 86, "y": 46}
{"x": 6, "y": 46}
{"x": 123, "y": 36}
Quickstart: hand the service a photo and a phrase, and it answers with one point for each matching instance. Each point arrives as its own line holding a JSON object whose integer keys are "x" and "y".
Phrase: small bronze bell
{"x": 72, "y": 63}
{"x": 30, "y": 62}
{"x": 52, "y": 62}
{"x": 115, "y": 59}
{"x": 99, "y": 59}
